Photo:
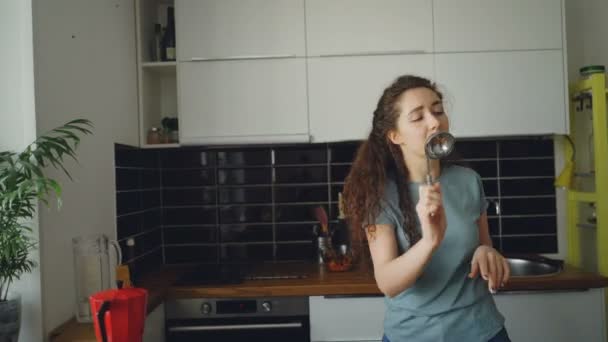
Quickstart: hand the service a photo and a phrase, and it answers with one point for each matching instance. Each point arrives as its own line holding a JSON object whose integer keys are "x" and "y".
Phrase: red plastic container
{"x": 119, "y": 314}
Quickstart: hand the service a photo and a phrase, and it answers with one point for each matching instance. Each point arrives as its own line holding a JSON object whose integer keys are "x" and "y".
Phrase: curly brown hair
{"x": 376, "y": 158}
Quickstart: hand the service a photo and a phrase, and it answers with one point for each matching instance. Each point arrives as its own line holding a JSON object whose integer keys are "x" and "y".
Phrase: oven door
{"x": 269, "y": 329}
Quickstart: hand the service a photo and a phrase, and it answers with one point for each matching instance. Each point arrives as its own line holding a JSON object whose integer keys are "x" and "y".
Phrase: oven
{"x": 237, "y": 319}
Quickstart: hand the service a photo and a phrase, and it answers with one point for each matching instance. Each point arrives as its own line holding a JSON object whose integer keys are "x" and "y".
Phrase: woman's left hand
{"x": 493, "y": 266}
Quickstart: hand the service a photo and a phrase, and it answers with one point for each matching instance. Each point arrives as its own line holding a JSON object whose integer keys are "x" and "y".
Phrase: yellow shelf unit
{"x": 593, "y": 86}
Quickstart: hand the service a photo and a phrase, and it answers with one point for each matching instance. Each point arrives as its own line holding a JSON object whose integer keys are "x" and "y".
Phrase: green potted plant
{"x": 170, "y": 126}
{"x": 22, "y": 184}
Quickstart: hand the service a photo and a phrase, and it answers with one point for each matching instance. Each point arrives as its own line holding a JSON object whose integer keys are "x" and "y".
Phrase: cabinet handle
{"x": 236, "y": 327}
{"x": 237, "y": 58}
{"x": 353, "y": 296}
{"x": 375, "y": 53}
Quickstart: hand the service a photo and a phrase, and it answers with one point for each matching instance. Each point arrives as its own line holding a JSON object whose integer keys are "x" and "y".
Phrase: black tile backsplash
{"x": 138, "y": 207}
{"x": 235, "y": 204}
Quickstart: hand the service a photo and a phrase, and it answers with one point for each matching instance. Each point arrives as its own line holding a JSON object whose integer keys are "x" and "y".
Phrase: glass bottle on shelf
{"x": 169, "y": 36}
{"x": 155, "y": 45}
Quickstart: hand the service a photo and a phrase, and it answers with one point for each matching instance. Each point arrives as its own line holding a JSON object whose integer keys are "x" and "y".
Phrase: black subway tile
{"x": 529, "y": 225}
{"x": 246, "y": 252}
{"x": 294, "y": 232}
{"x": 536, "y": 147}
{"x": 339, "y": 172}
{"x": 186, "y": 158}
{"x": 245, "y": 214}
{"x": 310, "y": 174}
{"x": 186, "y": 196}
{"x": 150, "y": 199}
{"x": 245, "y": 157}
{"x": 530, "y": 186}
{"x": 127, "y": 179}
{"x": 244, "y": 176}
{"x": 129, "y": 225}
{"x": 185, "y": 235}
{"x": 151, "y": 219}
{"x": 246, "y": 233}
{"x": 128, "y": 202}
{"x": 301, "y": 155}
{"x": 290, "y": 194}
{"x": 475, "y": 149}
{"x": 189, "y": 177}
{"x": 296, "y": 252}
{"x": 245, "y": 195}
{"x": 189, "y": 216}
{"x": 529, "y": 244}
{"x": 150, "y": 178}
{"x": 343, "y": 152}
{"x": 485, "y": 169}
{"x": 190, "y": 254}
{"x": 527, "y": 168}
{"x": 527, "y": 206}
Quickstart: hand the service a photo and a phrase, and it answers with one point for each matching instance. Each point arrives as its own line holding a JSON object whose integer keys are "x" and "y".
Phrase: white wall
{"x": 17, "y": 129}
{"x": 587, "y": 30}
{"x": 84, "y": 54}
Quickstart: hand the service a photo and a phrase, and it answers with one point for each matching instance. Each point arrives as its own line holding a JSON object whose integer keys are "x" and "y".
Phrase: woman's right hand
{"x": 431, "y": 214}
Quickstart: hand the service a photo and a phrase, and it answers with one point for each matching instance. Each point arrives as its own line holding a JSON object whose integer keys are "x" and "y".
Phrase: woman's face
{"x": 421, "y": 114}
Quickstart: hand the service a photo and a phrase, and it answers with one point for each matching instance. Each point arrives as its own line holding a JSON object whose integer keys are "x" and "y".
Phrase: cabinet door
{"x": 243, "y": 101}
{"x": 554, "y": 316}
{"x": 340, "y": 27}
{"x": 217, "y": 29}
{"x": 484, "y": 25}
{"x": 503, "y": 93}
{"x": 154, "y": 327}
{"x": 344, "y": 91}
{"x": 346, "y": 319}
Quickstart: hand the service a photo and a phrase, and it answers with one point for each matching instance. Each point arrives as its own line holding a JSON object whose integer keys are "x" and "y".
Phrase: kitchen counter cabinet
{"x": 522, "y": 300}
{"x": 496, "y": 25}
{"x": 523, "y": 92}
{"x": 558, "y": 316}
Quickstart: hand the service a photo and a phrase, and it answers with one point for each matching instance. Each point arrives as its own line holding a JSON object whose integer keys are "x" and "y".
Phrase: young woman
{"x": 428, "y": 244}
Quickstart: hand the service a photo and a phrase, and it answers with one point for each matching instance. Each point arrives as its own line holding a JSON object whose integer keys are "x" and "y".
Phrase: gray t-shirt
{"x": 443, "y": 304}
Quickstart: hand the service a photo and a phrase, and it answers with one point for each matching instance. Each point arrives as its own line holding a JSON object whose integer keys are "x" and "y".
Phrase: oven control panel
{"x": 236, "y": 307}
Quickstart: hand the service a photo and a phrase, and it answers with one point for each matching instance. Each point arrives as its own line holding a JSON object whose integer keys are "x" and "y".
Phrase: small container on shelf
{"x": 155, "y": 136}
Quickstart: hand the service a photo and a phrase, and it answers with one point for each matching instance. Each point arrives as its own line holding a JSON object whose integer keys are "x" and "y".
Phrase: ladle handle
{"x": 429, "y": 182}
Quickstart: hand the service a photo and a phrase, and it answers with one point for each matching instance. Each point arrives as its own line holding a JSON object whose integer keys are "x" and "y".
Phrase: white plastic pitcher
{"x": 92, "y": 271}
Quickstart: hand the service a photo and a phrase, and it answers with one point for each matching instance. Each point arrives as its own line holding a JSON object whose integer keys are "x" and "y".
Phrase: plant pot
{"x": 10, "y": 318}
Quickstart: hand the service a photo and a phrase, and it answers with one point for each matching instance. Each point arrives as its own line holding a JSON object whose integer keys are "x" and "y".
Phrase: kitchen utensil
{"x": 92, "y": 271}
{"x": 321, "y": 216}
{"x": 340, "y": 259}
{"x": 119, "y": 314}
{"x": 439, "y": 145}
{"x": 323, "y": 248}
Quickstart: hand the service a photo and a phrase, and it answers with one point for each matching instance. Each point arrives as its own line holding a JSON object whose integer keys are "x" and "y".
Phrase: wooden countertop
{"x": 317, "y": 282}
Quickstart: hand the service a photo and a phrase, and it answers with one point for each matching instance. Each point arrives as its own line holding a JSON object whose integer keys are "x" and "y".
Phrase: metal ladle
{"x": 439, "y": 145}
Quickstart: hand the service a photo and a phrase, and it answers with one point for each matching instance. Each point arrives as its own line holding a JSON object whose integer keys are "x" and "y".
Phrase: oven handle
{"x": 235, "y": 327}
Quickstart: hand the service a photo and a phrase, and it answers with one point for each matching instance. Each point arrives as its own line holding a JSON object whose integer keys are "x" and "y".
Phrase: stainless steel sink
{"x": 533, "y": 267}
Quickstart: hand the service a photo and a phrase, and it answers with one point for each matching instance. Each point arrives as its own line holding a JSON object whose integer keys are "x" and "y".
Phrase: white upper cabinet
{"x": 257, "y": 101}
{"x": 344, "y": 27}
{"x": 235, "y": 29}
{"x": 488, "y": 25}
{"x": 344, "y": 91}
{"x": 504, "y": 93}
